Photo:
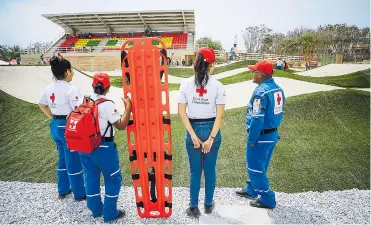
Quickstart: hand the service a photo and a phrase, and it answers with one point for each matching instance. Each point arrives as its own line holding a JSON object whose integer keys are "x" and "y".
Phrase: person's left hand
{"x": 206, "y": 146}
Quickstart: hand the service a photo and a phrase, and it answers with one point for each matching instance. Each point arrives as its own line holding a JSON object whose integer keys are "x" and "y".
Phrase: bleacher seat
{"x": 170, "y": 39}
{"x": 73, "y": 43}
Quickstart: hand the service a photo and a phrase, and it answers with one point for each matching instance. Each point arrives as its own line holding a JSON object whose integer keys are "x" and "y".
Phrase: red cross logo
{"x": 201, "y": 91}
{"x": 279, "y": 99}
{"x": 52, "y": 97}
{"x": 73, "y": 124}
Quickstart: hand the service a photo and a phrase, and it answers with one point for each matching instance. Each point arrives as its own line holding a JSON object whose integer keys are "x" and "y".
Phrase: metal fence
{"x": 260, "y": 56}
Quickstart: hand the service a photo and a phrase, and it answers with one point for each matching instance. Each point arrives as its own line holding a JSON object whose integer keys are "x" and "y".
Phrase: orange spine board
{"x": 149, "y": 136}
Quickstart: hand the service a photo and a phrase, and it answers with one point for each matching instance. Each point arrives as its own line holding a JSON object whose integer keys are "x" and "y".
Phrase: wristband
{"x": 212, "y": 137}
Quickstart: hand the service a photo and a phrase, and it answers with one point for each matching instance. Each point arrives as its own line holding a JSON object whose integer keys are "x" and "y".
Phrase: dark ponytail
{"x": 99, "y": 89}
{"x": 59, "y": 67}
{"x": 201, "y": 68}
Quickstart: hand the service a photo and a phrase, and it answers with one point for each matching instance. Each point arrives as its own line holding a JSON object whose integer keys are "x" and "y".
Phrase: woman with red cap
{"x": 204, "y": 97}
{"x": 105, "y": 158}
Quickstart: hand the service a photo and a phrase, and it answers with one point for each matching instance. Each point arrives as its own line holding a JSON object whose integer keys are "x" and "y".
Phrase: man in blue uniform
{"x": 263, "y": 117}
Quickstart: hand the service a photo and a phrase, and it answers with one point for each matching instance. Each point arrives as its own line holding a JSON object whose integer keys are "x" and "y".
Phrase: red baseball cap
{"x": 263, "y": 66}
{"x": 208, "y": 54}
{"x": 103, "y": 78}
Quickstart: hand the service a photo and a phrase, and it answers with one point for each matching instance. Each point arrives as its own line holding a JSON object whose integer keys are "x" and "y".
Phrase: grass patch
{"x": 117, "y": 82}
{"x": 323, "y": 145}
{"x": 188, "y": 72}
{"x": 240, "y": 77}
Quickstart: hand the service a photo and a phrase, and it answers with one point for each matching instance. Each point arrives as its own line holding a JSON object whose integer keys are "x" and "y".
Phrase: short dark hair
{"x": 59, "y": 67}
{"x": 99, "y": 88}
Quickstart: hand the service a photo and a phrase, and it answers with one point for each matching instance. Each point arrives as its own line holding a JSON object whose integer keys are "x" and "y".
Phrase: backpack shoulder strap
{"x": 101, "y": 100}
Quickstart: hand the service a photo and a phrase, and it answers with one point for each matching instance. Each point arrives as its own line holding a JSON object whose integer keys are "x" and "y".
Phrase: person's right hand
{"x": 196, "y": 141}
{"x": 127, "y": 102}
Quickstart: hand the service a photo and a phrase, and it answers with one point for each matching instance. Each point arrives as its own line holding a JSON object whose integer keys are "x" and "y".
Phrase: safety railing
{"x": 260, "y": 56}
{"x": 110, "y": 49}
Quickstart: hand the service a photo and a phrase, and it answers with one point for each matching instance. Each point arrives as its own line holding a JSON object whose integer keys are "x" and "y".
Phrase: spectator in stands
{"x": 279, "y": 64}
{"x": 183, "y": 62}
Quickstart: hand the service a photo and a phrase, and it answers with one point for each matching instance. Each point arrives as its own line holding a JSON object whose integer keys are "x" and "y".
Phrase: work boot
{"x": 122, "y": 213}
{"x": 193, "y": 212}
{"x": 81, "y": 199}
{"x": 63, "y": 196}
{"x": 256, "y": 203}
{"x": 243, "y": 193}
{"x": 209, "y": 208}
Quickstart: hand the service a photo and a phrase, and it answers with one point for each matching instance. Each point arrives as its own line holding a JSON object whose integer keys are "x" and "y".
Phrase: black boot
{"x": 122, "y": 213}
{"x": 193, "y": 212}
{"x": 256, "y": 203}
{"x": 243, "y": 193}
{"x": 63, "y": 196}
{"x": 209, "y": 208}
{"x": 81, "y": 199}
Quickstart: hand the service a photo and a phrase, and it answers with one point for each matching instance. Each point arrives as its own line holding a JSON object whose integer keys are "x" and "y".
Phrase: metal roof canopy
{"x": 124, "y": 22}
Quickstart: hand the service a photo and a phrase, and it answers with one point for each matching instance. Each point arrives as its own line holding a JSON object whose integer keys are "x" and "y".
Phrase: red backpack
{"x": 82, "y": 128}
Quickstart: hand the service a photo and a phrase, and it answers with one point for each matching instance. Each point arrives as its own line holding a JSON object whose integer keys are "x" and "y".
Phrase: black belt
{"x": 59, "y": 117}
{"x": 107, "y": 139}
{"x": 266, "y": 131}
{"x": 201, "y": 120}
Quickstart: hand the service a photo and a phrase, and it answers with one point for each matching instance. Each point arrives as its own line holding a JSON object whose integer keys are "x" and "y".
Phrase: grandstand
{"x": 92, "y": 41}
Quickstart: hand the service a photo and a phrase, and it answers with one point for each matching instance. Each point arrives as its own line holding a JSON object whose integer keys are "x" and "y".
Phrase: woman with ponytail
{"x": 57, "y": 101}
{"x": 205, "y": 99}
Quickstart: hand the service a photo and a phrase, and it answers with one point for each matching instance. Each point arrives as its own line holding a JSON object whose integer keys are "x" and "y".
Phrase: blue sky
{"x": 21, "y": 21}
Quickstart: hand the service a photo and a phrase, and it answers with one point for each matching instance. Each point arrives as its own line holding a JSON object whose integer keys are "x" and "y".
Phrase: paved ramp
{"x": 28, "y": 82}
{"x": 334, "y": 70}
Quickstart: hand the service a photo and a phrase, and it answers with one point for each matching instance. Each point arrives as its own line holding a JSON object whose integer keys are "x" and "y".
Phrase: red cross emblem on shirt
{"x": 201, "y": 91}
{"x": 52, "y": 97}
{"x": 279, "y": 99}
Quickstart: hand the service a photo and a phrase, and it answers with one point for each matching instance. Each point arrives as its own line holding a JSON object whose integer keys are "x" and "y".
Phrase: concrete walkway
{"x": 27, "y": 83}
{"x": 334, "y": 70}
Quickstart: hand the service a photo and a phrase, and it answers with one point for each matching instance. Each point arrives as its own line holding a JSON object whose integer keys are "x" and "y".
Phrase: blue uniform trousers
{"x": 69, "y": 169}
{"x": 103, "y": 159}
